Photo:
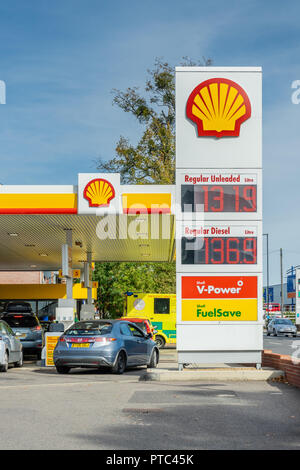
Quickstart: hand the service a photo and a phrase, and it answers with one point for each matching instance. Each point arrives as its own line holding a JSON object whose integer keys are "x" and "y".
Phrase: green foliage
{"x": 117, "y": 278}
{"x": 152, "y": 160}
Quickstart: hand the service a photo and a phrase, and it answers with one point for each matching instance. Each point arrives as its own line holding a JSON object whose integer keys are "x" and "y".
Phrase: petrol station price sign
{"x": 219, "y": 246}
{"x": 219, "y": 224}
{"x": 217, "y": 193}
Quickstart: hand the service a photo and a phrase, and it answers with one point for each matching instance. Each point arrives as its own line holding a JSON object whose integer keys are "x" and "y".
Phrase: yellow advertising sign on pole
{"x": 50, "y": 343}
{"x": 76, "y": 273}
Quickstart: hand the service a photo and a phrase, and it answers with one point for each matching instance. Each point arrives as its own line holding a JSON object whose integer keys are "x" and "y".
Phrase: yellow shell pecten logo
{"x": 99, "y": 192}
{"x": 218, "y": 107}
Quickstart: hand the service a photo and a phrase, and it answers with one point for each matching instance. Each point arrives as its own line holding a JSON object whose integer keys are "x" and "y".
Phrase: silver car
{"x": 281, "y": 326}
{"x": 11, "y": 351}
{"x": 114, "y": 344}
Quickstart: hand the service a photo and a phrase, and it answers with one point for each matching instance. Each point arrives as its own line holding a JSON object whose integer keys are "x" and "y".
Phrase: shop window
{"x": 46, "y": 309}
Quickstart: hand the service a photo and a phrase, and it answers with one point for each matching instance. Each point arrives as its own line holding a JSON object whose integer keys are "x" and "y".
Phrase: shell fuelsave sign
{"x": 218, "y": 107}
{"x": 219, "y": 298}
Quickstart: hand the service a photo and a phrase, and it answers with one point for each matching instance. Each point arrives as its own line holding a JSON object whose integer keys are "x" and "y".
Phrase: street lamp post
{"x": 267, "y": 235}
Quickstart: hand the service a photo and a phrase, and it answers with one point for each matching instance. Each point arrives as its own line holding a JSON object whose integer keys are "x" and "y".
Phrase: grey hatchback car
{"x": 281, "y": 326}
{"x": 11, "y": 351}
{"x": 113, "y": 344}
{"x": 27, "y": 328}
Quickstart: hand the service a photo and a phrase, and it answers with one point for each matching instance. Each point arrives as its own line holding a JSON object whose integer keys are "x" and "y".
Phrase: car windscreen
{"x": 21, "y": 321}
{"x": 283, "y": 322}
{"x": 89, "y": 329}
{"x": 140, "y": 325}
{"x": 18, "y": 307}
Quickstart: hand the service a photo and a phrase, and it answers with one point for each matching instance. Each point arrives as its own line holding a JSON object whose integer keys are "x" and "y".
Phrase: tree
{"x": 117, "y": 278}
{"x": 150, "y": 161}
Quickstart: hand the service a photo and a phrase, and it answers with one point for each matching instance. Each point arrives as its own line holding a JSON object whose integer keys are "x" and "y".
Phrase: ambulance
{"x": 160, "y": 309}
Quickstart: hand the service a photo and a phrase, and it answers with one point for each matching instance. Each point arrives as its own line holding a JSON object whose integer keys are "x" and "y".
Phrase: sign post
{"x": 219, "y": 227}
{"x": 297, "y": 283}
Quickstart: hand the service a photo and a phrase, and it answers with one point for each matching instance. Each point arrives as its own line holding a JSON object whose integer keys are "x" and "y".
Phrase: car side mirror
{"x": 148, "y": 336}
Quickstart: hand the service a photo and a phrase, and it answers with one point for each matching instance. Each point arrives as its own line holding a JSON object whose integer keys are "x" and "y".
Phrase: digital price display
{"x": 219, "y": 246}
{"x": 218, "y": 250}
{"x": 219, "y": 193}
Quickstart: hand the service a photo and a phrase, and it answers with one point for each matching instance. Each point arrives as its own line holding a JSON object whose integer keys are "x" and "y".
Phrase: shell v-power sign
{"x": 219, "y": 227}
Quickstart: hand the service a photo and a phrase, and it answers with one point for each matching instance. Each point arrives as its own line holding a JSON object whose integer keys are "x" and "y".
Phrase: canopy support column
{"x": 87, "y": 310}
{"x": 89, "y": 282}
{"x": 65, "y": 312}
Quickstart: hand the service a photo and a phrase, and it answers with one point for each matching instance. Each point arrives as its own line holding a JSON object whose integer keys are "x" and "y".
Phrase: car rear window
{"x": 89, "y": 329}
{"x": 21, "y": 321}
{"x": 18, "y": 307}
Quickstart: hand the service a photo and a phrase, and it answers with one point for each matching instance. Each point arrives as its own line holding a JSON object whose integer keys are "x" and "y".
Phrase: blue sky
{"x": 61, "y": 59}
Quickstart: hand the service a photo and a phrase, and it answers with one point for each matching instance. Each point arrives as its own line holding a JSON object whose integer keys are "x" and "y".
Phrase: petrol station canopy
{"x": 34, "y": 221}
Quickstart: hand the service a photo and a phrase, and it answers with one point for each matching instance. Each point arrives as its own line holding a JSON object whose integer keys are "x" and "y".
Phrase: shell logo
{"x": 218, "y": 107}
{"x": 99, "y": 192}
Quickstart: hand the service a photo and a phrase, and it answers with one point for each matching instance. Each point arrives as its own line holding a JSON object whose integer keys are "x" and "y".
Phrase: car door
{"x": 6, "y": 338}
{"x": 141, "y": 345}
{"x": 16, "y": 345}
{"x": 129, "y": 343}
{"x": 270, "y": 325}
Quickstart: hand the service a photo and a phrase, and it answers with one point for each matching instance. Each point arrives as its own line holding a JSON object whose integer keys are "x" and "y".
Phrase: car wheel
{"x": 274, "y": 333}
{"x": 4, "y": 367}
{"x": 20, "y": 362}
{"x": 160, "y": 341}
{"x": 62, "y": 369}
{"x": 120, "y": 364}
{"x": 294, "y": 336}
{"x": 268, "y": 334}
{"x": 154, "y": 360}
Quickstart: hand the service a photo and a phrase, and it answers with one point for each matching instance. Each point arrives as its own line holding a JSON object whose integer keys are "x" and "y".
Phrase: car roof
{"x": 131, "y": 319}
{"x": 101, "y": 320}
{"x": 10, "y": 302}
{"x": 112, "y": 322}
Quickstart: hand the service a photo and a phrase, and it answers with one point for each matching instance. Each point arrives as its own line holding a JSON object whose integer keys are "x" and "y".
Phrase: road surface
{"x": 86, "y": 409}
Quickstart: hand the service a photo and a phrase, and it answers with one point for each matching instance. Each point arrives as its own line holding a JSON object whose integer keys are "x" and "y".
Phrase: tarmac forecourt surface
{"x": 283, "y": 344}
{"x": 87, "y": 409}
